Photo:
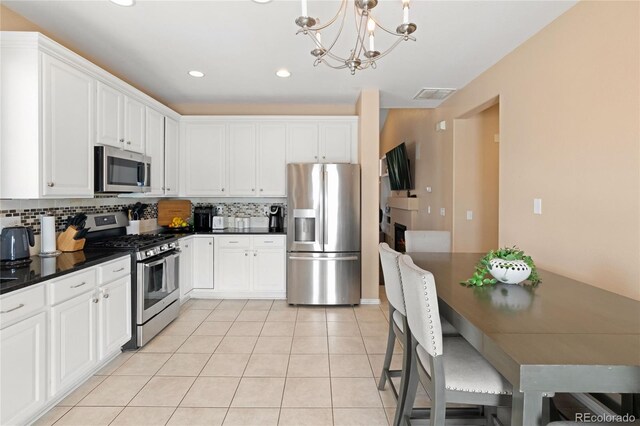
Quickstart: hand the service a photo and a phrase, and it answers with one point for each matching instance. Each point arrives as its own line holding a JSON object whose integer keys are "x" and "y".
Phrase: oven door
{"x": 157, "y": 285}
{"x": 121, "y": 171}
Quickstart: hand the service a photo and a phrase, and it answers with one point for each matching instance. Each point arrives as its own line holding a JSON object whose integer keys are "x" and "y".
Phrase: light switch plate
{"x": 442, "y": 211}
{"x": 537, "y": 206}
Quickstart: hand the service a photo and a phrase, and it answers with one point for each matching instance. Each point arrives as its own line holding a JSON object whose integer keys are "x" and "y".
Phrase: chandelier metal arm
{"x": 362, "y": 15}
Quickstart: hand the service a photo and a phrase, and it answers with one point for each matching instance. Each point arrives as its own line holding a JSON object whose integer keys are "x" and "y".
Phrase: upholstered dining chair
{"x": 427, "y": 241}
{"x": 397, "y": 322}
{"x": 450, "y": 369}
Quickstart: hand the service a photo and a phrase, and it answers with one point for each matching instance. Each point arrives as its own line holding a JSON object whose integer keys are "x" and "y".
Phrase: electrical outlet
{"x": 428, "y": 189}
{"x": 537, "y": 206}
{"x": 428, "y": 209}
{"x": 469, "y": 214}
{"x": 442, "y": 211}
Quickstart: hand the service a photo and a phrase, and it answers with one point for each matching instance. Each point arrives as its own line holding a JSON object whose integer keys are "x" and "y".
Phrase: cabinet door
{"x": 68, "y": 111}
{"x": 302, "y": 143}
{"x": 23, "y": 369}
{"x": 271, "y": 160}
{"x": 110, "y": 116}
{"x": 269, "y": 270}
{"x": 233, "y": 269}
{"x": 242, "y": 159}
{"x": 186, "y": 266}
{"x": 204, "y": 165}
{"x": 73, "y": 340}
{"x": 335, "y": 142}
{"x": 134, "y": 125}
{"x": 203, "y": 262}
{"x": 114, "y": 316}
{"x": 171, "y": 156}
{"x": 155, "y": 150}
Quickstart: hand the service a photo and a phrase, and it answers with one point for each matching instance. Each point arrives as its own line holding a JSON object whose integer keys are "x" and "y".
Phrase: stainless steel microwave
{"x": 121, "y": 171}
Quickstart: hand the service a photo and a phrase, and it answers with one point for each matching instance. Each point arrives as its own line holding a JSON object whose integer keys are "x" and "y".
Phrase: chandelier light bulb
{"x": 405, "y": 11}
{"x": 371, "y": 25}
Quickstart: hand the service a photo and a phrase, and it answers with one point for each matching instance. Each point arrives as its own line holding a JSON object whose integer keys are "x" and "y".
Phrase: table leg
{"x": 526, "y": 409}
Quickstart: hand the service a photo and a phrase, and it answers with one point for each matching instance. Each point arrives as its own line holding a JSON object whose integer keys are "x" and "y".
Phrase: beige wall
{"x": 415, "y": 127}
{"x": 368, "y": 110}
{"x": 475, "y": 185}
{"x": 569, "y": 134}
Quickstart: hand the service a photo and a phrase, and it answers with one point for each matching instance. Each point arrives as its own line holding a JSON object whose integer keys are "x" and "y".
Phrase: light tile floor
{"x": 239, "y": 362}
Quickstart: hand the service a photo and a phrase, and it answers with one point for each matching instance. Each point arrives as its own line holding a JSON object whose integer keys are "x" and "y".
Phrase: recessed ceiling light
{"x": 195, "y": 73}
{"x": 284, "y": 73}
{"x": 124, "y": 2}
{"x": 262, "y": 1}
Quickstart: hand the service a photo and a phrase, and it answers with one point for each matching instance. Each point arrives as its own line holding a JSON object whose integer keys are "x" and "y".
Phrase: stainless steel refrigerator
{"x": 323, "y": 234}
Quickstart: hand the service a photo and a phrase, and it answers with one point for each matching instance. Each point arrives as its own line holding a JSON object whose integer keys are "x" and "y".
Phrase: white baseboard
{"x": 217, "y": 294}
{"x": 369, "y": 301}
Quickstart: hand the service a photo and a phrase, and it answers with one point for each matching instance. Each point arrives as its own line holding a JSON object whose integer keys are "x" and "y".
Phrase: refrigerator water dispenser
{"x": 305, "y": 225}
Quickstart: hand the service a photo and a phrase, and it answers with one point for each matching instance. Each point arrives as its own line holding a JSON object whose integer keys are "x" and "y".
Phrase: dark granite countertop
{"x": 45, "y": 268}
{"x": 226, "y": 231}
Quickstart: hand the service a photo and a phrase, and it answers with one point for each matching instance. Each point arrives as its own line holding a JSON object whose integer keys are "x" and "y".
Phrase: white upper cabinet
{"x": 203, "y": 168}
{"x": 121, "y": 120}
{"x": 68, "y": 116}
{"x": 55, "y": 106}
{"x": 134, "y": 125}
{"x": 110, "y": 116}
{"x": 271, "y": 160}
{"x": 323, "y": 141}
{"x": 336, "y": 142}
{"x": 171, "y": 156}
{"x": 155, "y": 150}
{"x": 242, "y": 159}
{"x": 302, "y": 142}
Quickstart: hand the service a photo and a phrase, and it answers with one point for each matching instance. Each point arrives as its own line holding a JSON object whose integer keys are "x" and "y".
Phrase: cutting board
{"x": 168, "y": 209}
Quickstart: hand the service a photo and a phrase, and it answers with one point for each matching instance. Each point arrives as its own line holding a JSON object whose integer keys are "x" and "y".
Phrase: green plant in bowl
{"x": 482, "y": 275}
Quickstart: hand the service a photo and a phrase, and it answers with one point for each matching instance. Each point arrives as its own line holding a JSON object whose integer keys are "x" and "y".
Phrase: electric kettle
{"x": 15, "y": 242}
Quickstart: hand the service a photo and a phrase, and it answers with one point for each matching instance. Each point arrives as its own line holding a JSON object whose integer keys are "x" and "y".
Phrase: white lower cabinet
{"x": 253, "y": 266}
{"x": 57, "y": 333}
{"x": 73, "y": 340}
{"x": 23, "y": 369}
{"x": 114, "y": 316}
{"x": 186, "y": 266}
{"x": 203, "y": 262}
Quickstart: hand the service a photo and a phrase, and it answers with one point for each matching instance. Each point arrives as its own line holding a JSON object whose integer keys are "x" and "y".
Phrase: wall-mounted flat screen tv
{"x": 398, "y": 166}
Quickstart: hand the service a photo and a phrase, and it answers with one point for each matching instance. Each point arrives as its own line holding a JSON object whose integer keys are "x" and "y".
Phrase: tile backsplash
{"x": 29, "y": 211}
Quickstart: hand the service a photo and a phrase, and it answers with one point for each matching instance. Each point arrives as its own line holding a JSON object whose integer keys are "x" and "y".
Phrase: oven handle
{"x": 155, "y": 263}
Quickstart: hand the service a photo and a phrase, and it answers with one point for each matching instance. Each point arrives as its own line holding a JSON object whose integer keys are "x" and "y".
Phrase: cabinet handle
{"x": 96, "y": 300}
{"x": 163, "y": 188}
{"x": 268, "y": 242}
{"x": 246, "y": 254}
{"x": 253, "y": 190}
{"x": 128, "y": 142}
{"x": 119, "y": 270}
{"x": 222, "y": 189}
{"x": 186, "y": 246}
{"x": 255, "y": 254}
{"x": 168, "y": 189}
{"x": 105, "y": 295}
{"x": 315, "y": 156}
{"x": 13, "y": 309}
{"x": 261, "y": 189}
{"x": 210, "y": 244}
{"x": 50, "y": 184}
{"x": 323, "y": 157}
{"x": 122, "y": 140}
{"x": 233, "y": 242}
{"x": 81, "y": 284}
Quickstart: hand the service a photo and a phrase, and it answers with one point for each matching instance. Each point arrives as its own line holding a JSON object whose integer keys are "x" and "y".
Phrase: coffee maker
{"x": 203, "y": 218}
{"x": 276, "y": 218}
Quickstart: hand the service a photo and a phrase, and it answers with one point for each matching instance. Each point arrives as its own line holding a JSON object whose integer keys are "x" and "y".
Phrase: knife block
{"x": 66, "y": 243}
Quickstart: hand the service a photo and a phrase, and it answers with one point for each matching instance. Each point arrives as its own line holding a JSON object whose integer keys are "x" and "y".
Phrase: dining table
{"x": 562, "y": 335}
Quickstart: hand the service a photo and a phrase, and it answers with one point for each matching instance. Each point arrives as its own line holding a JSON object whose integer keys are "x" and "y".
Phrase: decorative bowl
{"x": 509, "y": 271}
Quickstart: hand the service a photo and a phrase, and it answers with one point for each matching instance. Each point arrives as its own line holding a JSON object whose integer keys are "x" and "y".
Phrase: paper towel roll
{"x": 48, "y": 234}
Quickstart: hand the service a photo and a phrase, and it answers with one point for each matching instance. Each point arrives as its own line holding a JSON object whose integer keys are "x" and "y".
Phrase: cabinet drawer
{"x": 69, "y": 286}
{"x": 113, "y": 270}
{"x": 234, "y": 242}
{"x": 268, "y": 241}
{"x": 21, "y": 304}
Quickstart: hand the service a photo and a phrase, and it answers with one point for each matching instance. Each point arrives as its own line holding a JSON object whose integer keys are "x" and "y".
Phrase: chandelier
{"x": 363, "y": 54}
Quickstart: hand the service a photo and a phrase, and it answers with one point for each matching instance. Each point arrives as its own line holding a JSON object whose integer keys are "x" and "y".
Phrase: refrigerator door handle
{"x": 324, "y": 259}
{"x": 325, "y": 186}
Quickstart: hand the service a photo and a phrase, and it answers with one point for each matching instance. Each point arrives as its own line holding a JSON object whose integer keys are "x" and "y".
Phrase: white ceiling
{"x": 240, "y": 44}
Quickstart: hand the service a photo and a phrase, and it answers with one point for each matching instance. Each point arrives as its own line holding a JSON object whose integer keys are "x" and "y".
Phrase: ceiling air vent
{"x": 433, "y": 94}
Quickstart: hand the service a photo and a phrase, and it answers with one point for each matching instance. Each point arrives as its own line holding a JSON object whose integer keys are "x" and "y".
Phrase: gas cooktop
{"x": 131, "y": 242}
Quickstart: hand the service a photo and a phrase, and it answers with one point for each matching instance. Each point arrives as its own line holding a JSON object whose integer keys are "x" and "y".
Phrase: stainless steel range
{"x": 155, "y": 272}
